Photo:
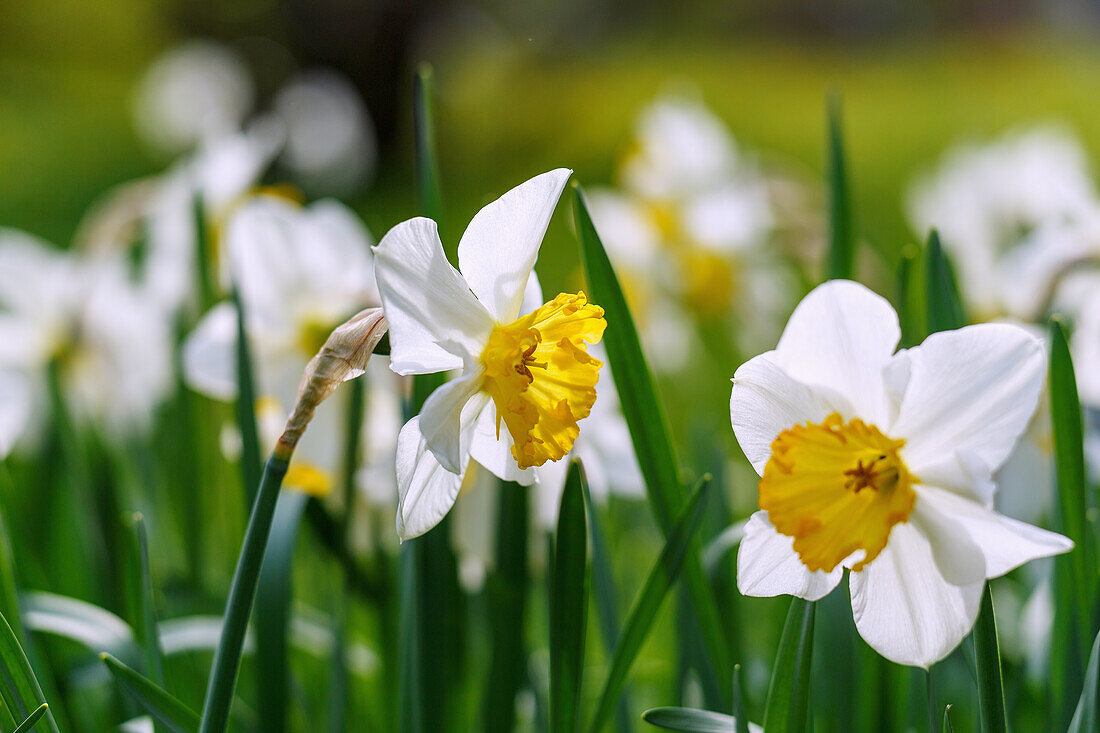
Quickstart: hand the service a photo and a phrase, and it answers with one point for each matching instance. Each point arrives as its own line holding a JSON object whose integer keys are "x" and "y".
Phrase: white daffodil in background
{"x": 883, "y": 463}
{"x": 1013, "y": 214}
{"x": 526, "y": 377}
{"x": 110, "y": 346}
{"x": 300, "y": 271}
{"x": 16, "y": 402}
{"x": 691, "y": 224}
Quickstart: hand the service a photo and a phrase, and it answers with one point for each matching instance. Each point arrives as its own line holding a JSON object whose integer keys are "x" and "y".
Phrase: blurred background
{"x": 520, "y": 88}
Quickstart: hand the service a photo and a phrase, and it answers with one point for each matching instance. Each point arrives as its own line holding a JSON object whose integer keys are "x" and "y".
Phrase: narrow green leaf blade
{"x": 27, "y": 725}
{"x": 689, "y": 719}
{"x": 568, "y": 605}
{"x": 272, "y": 624}
{"x": 943, "y": 306}
{"x": 788, "y": 705}
{"x": 427, "y": 166}
{"x": 242, "y": 591}
{"x": 739, "y": 702}
{"x": 658, "y": 583}
{"x": 1069, "y": 461}
{"x": 155, "y": 700}
{"x": 987, "y": 660}
{"x": 1086, "y": 719}
{"x": 841, "y": 255}
{"x": 18, "y": 685}
{"x": 649, "y": 431}
{"x": 251, "y": 460}
{"x": 139, "y": 588}
{"x": 947, "y": 727}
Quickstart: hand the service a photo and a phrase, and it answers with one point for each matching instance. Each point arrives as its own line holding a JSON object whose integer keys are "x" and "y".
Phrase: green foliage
{"x": 155, "y": 700}
{"x": 787, "y": 709}
{"x": 688, "y": 719}
{"x": 569, "y": 604}
{"x": 19, "y": 688}
{"x": 840, "y": 262}
{"x": 987, "y": 660}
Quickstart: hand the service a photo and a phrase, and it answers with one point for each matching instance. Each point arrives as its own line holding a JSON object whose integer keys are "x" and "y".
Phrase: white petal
{"x": 426, "y": 490}
{"x": 16, "y": 399}
{"x": 426, "y": 300}
{"x": 498, "y": 249}
{"x": 974, "y": 389}
{"x": 495, "y": 453}
{"x": 841, "y": 336}
{"x": 767, "y": 565}
{"x": 903, "y": 606}
{"x": 442, "y": 415}
{"x": 765, "y": 401}
{"x": 209, "y": 355}
{"x": 549, "y": 488}
{"x": 972, "y": 543}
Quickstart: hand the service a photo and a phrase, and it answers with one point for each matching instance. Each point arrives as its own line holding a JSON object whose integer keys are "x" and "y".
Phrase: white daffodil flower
{"x": 1012, "y": 214}
{"x": 687, "y": 230}
{"x": 525, "y": 379}
{"x": 110, "y": 345}
{"x": 16, "y": 402}
{"x": 300, "y": 271}
{"x": 883, "y": 463}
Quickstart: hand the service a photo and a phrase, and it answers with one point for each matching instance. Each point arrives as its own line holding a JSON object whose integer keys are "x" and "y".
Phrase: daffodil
{"x": 525, "y": 377}
{"x": 109, "y": 344}
{"x": 15, "y": 409}
{"x": 883, "y": 463}
{"x": 300, "y": 271}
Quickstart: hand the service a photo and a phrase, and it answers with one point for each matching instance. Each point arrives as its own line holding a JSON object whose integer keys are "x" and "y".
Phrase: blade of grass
{"x": 18, "y": 686}
{"x": 227, "y": 658}
{"x": 649, "y": 431}
{"x": 427, "y": 167}
{"x": 742, "y": 717}
{"x": 28, "y": 725}
{"x": 1086, "y": 719}
{"x": 203, "y": 254}
{"x": 506, "y": 593}
{"x": 689, "y": 719}
{"x": 841, "y": 255}
{"x": 947, "y": 727}
{"x": 273, "y": 598}
{"x": 251, "y": 460}
{"x": 140, "y": 599}
{"x": 155, "y": 700}
{"x": 568, "y": 604}
{"x": 943, "y": 306}
{"x": 657, "y": 585}
{"x": 788, "y": 705}
{"x": 987, "y": 662}
{"x": 1069, "y": 461}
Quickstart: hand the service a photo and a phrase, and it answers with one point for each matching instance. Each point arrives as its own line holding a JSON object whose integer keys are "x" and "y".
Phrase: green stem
{"x": 227, "y": 659}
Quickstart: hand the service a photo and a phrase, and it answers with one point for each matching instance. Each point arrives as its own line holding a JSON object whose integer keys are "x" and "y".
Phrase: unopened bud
{"x": 344, "y": 356}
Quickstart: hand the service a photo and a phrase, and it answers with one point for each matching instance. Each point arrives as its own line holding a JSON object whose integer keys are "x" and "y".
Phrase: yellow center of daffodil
{"x": 541, "y": 377}
{"x": 709, "y": 281}
{"x": 309, "y": 479}
{"x": 836, "y": 488}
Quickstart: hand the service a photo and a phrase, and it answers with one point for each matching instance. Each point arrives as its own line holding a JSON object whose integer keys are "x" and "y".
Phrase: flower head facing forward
{"x": 883, "y": 463}
{"x": 526, "y": 376}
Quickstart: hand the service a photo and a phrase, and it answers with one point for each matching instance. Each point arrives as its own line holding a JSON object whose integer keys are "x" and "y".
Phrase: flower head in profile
{"x": 525, "y": 375}
{"x": 883, "y": 463}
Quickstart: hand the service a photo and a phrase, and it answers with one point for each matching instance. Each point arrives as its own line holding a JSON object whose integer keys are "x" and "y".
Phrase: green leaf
{"x": 27, "y": 725}
{"x": 155, "y": 700}
{"x": 273, "y": 598}
{"x": 1086, "y": 719}
{"x": 227, "y": 658}
{"x": 943, "y": 306}
{"x": 649, "y": 431}
{"x": 739, "y": 713}
{"x": 251, "y": 460}
{"x": 203, "y": 254}
{"x": 910, "y": 304}
{"x": 427, "y": 166}
{"x": 1069, "y": 461}
{"x": 19, "y": 688}
{"x": 657, "y": 585}
{"x": 568, "y": 604}
{"x": 841, "y": 255}
{"x": 689, "y": 719}
{"x": 947, "y": 727}
{"x": 787, "y": 708}
{"x": 987, "y": 661}
{"x": 140, "y": 599}
{"x": 506, "y": 592}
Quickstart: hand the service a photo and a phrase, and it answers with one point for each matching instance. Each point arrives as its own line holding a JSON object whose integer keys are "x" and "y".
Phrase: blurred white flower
{"x": 194, "y": 92}
{"x": 330, "y": 146}
{"x": 300, "y": 272}
{"x": 16, "y": 402}
{"x": 883, "y": 463}
{"x": 110, "y": 345}
{"x": 1012, "y": 214}
{"x": 526, "y": 377}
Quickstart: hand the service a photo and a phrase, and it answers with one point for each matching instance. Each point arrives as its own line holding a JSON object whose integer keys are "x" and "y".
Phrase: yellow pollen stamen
{"x": 836, "y": 488}
{"x": 541, "y": 413}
